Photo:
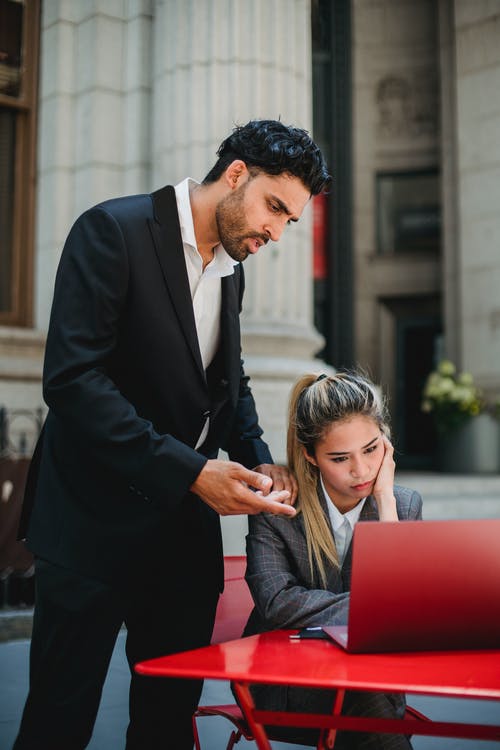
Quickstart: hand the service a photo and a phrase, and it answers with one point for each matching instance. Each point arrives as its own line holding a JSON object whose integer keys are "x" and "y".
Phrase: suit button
{"x": 206, "y": 413}
{"x": 224, "y": 383}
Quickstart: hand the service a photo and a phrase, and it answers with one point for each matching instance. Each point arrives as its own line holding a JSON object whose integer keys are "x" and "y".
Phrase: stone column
{"x": 452, "y": 306}
{"x": 94, "y": 118}
{"x": 93, "y": 144}
{"x": 218, "y": 63}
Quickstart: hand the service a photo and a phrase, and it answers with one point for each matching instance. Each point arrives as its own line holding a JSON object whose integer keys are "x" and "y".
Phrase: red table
{"x": 275, "y": 659}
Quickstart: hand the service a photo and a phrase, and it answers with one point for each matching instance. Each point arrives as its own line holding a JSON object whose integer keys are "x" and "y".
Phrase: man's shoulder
{"x": 118, "y": 209}
{"x": 123, "y": 205}
{"x": 137, "y": 202}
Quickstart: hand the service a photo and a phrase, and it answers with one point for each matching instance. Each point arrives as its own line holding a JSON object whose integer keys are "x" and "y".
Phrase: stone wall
{"x": 395, "y": 129}
{"x": 477, "y": 34}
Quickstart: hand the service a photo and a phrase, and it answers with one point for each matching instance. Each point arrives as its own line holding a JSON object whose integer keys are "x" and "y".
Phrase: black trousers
{"x": 75, "y": 626}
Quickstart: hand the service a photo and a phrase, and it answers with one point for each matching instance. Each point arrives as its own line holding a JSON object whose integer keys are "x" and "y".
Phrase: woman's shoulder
{"x": 284, "y": 525}
{"x": 408, "y": 500}
{"x": 401, "y": 491}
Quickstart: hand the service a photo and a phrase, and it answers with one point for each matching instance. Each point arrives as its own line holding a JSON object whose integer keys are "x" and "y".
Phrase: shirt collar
{"x": 184, "y": 211}
{"x": 337, "y": 518}
{"x": 222, "y": 263}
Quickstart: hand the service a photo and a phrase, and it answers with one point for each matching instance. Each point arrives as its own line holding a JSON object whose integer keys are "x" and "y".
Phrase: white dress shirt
{"x": 205, "y": 285}
{"x": 342, "y": 523}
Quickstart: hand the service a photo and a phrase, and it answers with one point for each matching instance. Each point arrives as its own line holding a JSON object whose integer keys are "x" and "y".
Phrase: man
{"x": 144, "y": 383}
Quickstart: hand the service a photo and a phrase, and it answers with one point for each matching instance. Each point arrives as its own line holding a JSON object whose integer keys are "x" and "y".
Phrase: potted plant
{"x": 467, "y": 433}
{"x": 451, "y": 397}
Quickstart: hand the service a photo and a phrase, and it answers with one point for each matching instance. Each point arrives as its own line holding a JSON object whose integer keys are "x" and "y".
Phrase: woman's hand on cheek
{"x": 383, "y": 489}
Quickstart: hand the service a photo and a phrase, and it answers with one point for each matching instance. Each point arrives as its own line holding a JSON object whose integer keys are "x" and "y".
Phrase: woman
{"x": 298, "y": 569}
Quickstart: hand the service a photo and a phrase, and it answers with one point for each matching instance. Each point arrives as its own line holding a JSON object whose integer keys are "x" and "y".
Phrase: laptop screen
{"x": 425, "y": 585}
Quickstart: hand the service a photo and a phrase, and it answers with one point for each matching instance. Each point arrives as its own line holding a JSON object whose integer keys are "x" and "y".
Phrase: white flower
{"x": 446, "y": 367}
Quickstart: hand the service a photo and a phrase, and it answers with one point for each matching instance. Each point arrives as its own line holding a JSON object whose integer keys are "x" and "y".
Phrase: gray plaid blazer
{"x": 278, "y": 575}
{"x": 286, "y": 595}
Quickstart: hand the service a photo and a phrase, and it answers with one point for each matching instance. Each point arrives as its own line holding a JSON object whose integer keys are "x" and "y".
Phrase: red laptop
{"x": 423, "y": 586}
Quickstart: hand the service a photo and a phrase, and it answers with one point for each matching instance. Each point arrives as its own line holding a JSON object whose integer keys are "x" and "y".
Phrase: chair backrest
{"x": 14, "y": 555}
{"x": 235, "y": 603}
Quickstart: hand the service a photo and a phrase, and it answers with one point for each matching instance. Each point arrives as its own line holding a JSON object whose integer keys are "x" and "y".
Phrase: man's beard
{"x": 231, "y": 226}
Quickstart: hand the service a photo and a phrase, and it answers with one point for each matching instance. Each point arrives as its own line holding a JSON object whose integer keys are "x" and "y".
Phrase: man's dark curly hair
{"x": 275, "y": 148}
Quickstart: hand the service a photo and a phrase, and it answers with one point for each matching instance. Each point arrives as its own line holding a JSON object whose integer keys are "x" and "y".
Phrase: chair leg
{"x": 233, "y": 739}
{"x": 412, "y": 713}
{"x": 195, "y": 733}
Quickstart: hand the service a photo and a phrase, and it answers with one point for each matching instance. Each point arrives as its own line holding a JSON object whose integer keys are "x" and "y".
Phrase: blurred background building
{"x": 397, "y": 267}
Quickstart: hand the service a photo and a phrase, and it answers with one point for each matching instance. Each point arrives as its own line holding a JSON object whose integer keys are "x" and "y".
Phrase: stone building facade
{"x": 426, "y": 90}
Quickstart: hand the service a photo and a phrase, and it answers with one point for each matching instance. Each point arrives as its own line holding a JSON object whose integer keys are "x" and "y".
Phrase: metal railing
{"x": 19, "y": 430}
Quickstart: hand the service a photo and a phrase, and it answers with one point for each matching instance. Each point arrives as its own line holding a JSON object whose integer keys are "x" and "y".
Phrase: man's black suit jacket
{"x": 128, "y": 397}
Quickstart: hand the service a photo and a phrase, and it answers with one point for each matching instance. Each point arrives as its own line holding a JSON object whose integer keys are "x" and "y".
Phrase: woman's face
{"x": 349, "y": 456}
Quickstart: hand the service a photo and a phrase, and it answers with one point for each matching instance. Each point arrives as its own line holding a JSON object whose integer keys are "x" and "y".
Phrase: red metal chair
{"x": 233, "y": 610}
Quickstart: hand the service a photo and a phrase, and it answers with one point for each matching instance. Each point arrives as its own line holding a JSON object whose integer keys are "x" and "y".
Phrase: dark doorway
{"x": 418, "y": 331}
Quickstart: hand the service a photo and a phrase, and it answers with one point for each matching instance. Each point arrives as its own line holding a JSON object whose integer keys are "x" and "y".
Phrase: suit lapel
{"x": 370, "y": 510}
{"x": 230, "y": 330}
{"x": 368, "y": 513}
{"x": 166, "y": 234}
{"x": 334, "y": 576}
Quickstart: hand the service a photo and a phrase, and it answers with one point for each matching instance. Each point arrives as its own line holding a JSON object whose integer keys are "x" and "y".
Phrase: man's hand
{"x": 283, "y": 479}
{"x": 224, "y": 486}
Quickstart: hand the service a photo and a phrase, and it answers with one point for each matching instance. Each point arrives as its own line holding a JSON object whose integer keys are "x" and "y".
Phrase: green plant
{"x": 451, "y": 397}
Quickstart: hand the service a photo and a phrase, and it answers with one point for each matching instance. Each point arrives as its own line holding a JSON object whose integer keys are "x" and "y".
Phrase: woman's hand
{"x": 383, "y": 489}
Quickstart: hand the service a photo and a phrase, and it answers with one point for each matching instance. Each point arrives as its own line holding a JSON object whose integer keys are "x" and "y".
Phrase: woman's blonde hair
{"x": 315, "y": 404}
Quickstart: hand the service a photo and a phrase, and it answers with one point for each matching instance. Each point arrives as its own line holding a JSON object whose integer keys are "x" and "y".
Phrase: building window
{"x": 408, "y": 212}
{"x": 19, "y": 41}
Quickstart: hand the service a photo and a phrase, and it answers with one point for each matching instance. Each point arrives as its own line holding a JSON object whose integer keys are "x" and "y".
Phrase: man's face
{"x": 257, "y": 211}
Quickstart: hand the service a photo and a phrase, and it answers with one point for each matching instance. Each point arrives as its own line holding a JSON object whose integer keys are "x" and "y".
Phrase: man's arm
{"x": 90, "y": 294}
